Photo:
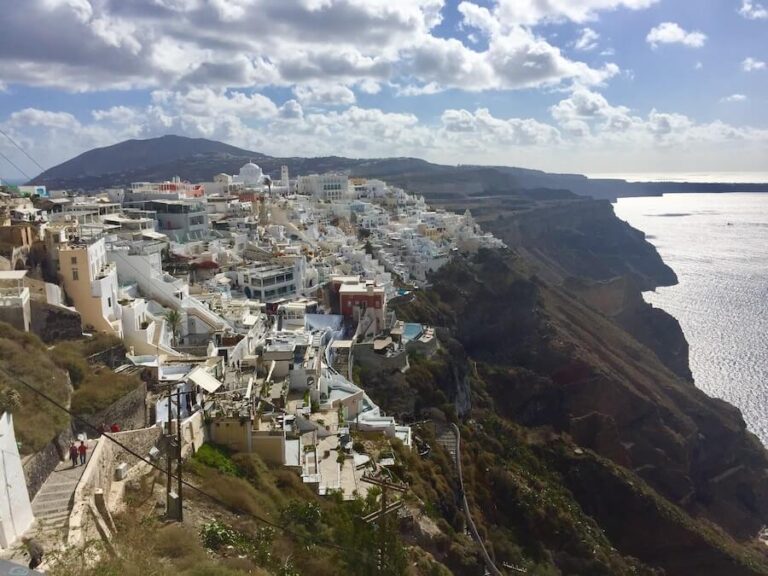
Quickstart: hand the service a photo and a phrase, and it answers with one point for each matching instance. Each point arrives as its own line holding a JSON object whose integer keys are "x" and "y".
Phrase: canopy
{"x": 203, "y": 379}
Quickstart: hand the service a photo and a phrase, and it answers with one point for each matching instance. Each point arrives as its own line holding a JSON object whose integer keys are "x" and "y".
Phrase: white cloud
{"x": 116, "y": 114}
{"x": 587, "y": 40}
{"x": 324, "y": 95}
{"x": 588, "y": 120}
{"x": 734, "y": 98}
{"x": 751, "y": 64}
{"x": 514, "y": 59}
{"x": 672, "y": 33}
{"x": 368, "y": 86}
{"x": 499, "y": 132}
{"x": 291, "y": 110}
{"x": 587, "y": 132}
{"x": 82, "y": 45}
{"x": 531, "y": 12}
{"x": 479, "y": 17}
{"x": 753, "y": 10}
{"x": 206, "y": 102}
{"x": 698, "y": 66}
{"x": 37, "y": 118}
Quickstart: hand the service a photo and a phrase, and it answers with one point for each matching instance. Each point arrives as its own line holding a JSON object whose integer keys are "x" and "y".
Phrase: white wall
{"x": 15, "y": 508}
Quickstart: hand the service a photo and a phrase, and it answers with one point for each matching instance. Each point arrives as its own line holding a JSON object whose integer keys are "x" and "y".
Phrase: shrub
{"x": 71, "y": 361}
{"x": 174, "y": 542}
{"x": 218, "y": 458}
{"x": 24, "y": 357}
{"x": 101, "y": 389}
{"x": 306, "y": 514}
{"x": 216, "y": 535}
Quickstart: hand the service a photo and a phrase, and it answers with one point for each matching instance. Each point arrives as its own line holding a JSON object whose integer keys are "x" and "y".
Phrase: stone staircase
{"x": 447, "y": 439}
{"x": 51, "y": 507}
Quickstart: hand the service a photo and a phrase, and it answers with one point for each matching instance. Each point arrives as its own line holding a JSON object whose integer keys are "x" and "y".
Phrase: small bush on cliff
{"x": 23, "y": 356}
{"x": 218, "y": 458}
{"x": 100, "y": 389}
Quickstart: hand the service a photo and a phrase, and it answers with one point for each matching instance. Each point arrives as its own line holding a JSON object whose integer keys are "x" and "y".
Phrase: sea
{"x": 718, "y": 246}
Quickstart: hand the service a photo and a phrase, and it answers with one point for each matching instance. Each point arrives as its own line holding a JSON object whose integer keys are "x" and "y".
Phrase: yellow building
{"x": 90, "y": 281}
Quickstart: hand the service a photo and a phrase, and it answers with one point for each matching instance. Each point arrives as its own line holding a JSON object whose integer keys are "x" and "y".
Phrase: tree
{"x": 173, "y": 318}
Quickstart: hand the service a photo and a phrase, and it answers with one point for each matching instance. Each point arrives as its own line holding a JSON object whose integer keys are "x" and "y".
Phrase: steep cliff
{"x": 582, "y": 244}
{"x": 682, "y": 463}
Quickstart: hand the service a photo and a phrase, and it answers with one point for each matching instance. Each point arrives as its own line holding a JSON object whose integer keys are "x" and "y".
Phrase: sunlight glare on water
{"x": 718, "y": 246}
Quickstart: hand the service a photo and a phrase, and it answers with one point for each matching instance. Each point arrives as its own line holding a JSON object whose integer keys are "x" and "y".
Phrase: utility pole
{"x": 168, "y": 443}
{"x": 178, "y": 452}
{"x": 382, "y": 515}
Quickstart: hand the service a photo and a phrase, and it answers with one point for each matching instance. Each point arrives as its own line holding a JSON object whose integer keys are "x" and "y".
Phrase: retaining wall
{"x": 39, "y": 466}
{"x": 99, "y": 474}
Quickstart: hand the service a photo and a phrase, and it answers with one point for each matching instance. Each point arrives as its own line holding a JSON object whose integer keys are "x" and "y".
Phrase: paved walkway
{"x": 51, "y": 507}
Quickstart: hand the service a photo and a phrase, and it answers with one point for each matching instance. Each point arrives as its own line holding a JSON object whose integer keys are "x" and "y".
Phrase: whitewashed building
{"x": 15, "y": 508}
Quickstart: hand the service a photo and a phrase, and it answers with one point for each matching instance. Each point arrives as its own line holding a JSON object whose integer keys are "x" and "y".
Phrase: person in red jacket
{"x": 81, "y": 450}
{"x": 73, "y": 454}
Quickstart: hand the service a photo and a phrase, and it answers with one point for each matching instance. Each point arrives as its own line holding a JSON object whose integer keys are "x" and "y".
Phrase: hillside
{"x": 566, "y": 404}
{"x": 198, "y": 160}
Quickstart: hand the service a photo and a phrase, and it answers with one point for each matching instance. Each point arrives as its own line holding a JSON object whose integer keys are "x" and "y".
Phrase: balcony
{"x": 14, "y": 297}
{"x": 106, "y": 270}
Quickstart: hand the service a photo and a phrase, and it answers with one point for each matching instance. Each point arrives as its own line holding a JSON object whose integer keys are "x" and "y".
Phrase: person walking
{"x": 73, "y": 454}
{"x": 35, "y": 551}
{"x": 81, "y": 450}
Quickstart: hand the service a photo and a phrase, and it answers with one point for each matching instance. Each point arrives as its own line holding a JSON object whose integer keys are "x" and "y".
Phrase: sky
{"x": 587, "y": 86}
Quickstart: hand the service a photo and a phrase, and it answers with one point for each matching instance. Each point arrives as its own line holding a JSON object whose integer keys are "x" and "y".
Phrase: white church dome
{"x": 251, "y": 174}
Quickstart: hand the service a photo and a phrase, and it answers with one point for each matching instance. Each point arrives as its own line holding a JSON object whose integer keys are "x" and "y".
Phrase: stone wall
{"x": 53, "y": 323}
{"x": 129, "y": 412}
{"x": 111, "y": 357}
{"x": 39, "y": 466}
{"x": 99, "y": 475}
{"x": 13, "y": 315}
{"x": 366, "y": 357}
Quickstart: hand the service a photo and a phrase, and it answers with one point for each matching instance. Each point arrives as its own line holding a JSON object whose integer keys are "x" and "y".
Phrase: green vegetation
{"x": 216, "y": 457}
{"x": 96, "y": 387}
{"x": 321, "y": 536}
{"x": 55, "y": 372}
{"x": 173, "y": 318}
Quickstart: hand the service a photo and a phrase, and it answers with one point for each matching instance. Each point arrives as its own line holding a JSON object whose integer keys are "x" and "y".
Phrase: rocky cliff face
{"x": 548, "y": 356}
{"x": 582, "y": 245}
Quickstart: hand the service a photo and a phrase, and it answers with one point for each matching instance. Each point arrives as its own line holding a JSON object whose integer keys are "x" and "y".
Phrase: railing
{"x": 106, "y": 270}
{"x": 472, "y": 528}
{"x": 13, "y": 296}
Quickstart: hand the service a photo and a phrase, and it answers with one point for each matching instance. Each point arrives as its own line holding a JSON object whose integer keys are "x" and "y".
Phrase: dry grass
{"x": 24, "y": 356}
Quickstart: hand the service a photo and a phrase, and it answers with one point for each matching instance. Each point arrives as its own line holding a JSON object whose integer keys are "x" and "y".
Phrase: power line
{"x": 192, "y": 487}
{"x": 28, "y": 177}
{"x": 36, "y": 163}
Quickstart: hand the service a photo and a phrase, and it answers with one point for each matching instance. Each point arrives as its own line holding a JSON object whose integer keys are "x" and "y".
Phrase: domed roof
{"x": 251, "y": 174}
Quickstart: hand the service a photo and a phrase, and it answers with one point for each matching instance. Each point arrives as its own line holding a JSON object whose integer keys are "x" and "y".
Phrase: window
{"x": 75, "y": 275}
{"x": 74, "y": 259}
{"x": 109, "y": 302}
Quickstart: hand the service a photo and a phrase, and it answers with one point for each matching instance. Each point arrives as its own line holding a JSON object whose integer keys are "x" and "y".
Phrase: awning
{"x": 12, "y": 274}
{"x": 203, "y": 379}
{"x": 382, "y": 343}
{"x": 153, "y": 235}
